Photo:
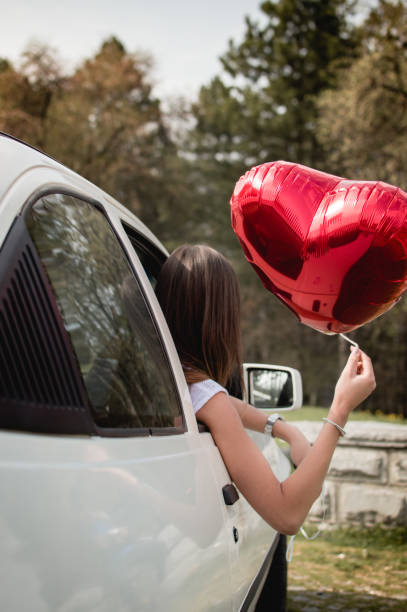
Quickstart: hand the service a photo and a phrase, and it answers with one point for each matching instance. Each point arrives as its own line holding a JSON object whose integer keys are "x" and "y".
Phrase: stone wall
{"x": 367, "y": 480}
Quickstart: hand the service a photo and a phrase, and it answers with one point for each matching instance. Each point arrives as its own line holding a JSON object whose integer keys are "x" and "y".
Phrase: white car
{"x": 113, "y": 497}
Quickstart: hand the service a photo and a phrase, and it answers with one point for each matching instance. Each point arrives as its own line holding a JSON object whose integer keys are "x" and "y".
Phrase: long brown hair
{"x": 199, "y": 294}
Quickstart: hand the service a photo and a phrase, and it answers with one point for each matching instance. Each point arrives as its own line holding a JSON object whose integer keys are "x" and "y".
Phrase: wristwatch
{"x": 268, "y": 429}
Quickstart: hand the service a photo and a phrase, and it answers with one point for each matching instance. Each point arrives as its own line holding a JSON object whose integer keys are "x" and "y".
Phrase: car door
{"x": 110, "y": 500}
{"x": 250, "y": 539}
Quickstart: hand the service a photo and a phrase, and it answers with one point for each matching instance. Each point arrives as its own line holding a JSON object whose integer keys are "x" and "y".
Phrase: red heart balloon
{"x": 333, "y": 250}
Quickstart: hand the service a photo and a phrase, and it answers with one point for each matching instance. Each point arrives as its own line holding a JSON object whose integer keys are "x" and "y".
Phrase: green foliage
{"x": 363, "y": 121}
{"x": 26, "y": 94}
{"x": 272, "y": 79}
{"x": 375, "y": 538}
{"x": 102, "y": 121}
{"x": 4, "y": 64}
{"x": 308, "y": 85}
{"x": 363, "y": 127}
{"x": 263, "y": 107}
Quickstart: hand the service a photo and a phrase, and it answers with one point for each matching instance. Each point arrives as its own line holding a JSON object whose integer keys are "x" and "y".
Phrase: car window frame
{"x": 149, "y": 241}
{"x": 143, "y": 244}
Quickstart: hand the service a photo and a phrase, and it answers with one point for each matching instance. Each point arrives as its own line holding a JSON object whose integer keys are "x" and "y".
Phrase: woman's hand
{"x": 354, "y": 385}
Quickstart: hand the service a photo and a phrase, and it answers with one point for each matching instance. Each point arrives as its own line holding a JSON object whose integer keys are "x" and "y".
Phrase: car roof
{"x": 17, "y": 157}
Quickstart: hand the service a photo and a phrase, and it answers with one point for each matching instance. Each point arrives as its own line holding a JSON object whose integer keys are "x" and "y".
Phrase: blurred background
{"x": 166, "y": 105}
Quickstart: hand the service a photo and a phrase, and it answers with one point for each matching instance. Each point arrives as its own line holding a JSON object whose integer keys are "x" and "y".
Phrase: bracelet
{"x": 338, "y": 427}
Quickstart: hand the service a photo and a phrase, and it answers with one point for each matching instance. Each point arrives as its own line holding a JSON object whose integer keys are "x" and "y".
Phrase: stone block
{"x": 359, "y": 464}
{"x": 371, "y": 505}
{"x": 362, "y": 433}
{"x": 375, "y": 433}
{"x": 398, "y": 468}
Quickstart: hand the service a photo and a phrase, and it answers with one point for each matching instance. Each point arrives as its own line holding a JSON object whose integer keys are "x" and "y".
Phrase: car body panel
{"x": 124, "y": 523}
{"x": 102, "y": 523}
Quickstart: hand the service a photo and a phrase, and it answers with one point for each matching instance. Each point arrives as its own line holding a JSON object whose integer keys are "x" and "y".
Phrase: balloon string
{"x": 349, "y": 340}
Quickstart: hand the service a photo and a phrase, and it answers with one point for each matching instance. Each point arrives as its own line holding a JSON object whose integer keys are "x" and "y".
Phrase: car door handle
{"x": 230, "y": 494}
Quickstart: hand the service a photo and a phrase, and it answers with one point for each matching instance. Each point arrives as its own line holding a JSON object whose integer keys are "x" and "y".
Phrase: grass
{"x": 349, "y": 569}
{"x": 315, "y": 413}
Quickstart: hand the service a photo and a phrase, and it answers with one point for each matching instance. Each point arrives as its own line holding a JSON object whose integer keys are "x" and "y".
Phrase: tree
{"x": 363, "y": 126}
{"x": 109, "y": 127}
{"x": 263, "y": 107}
{"x": 26, "y": 94}
{"x": 363, "y": 121}
{"x": 103, "y": 121}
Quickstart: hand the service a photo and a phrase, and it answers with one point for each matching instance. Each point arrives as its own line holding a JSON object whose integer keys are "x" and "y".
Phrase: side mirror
{"x": 272, "y": 387}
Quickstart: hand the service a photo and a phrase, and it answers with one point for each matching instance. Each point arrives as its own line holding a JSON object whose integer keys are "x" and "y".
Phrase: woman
{"x": 199, "y": 294}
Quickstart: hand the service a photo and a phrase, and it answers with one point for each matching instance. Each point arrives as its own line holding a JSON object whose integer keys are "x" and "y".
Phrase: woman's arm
{"x": 285, "y": 505}
{"x": 251, "y": 417}
{"x": 255, "y": 419}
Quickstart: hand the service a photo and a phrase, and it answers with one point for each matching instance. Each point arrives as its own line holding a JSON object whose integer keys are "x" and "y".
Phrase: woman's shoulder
{"x": 202, "y": 391}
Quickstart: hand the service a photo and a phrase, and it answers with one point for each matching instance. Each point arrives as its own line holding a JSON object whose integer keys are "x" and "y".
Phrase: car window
{"x": 119, "y": 351}
{"x": 150, "y": 257}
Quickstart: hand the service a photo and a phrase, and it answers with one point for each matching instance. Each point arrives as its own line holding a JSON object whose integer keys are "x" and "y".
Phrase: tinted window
{"x": 120, "y": 355}
{"x": 150, "y": 258}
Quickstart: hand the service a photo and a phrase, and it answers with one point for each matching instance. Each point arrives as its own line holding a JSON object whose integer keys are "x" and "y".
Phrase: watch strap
{"x": 268, "y": 429}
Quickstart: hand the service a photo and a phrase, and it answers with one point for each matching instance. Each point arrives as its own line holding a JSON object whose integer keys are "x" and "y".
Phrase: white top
{"x": 201, "y": 392}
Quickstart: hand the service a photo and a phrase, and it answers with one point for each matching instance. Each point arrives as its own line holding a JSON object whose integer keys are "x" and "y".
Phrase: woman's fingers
{"x": 367, "y": 366}
{"x": 356, "y": 382}
{"x": 360, "y": 363}
{"x": 353, "y": 361}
